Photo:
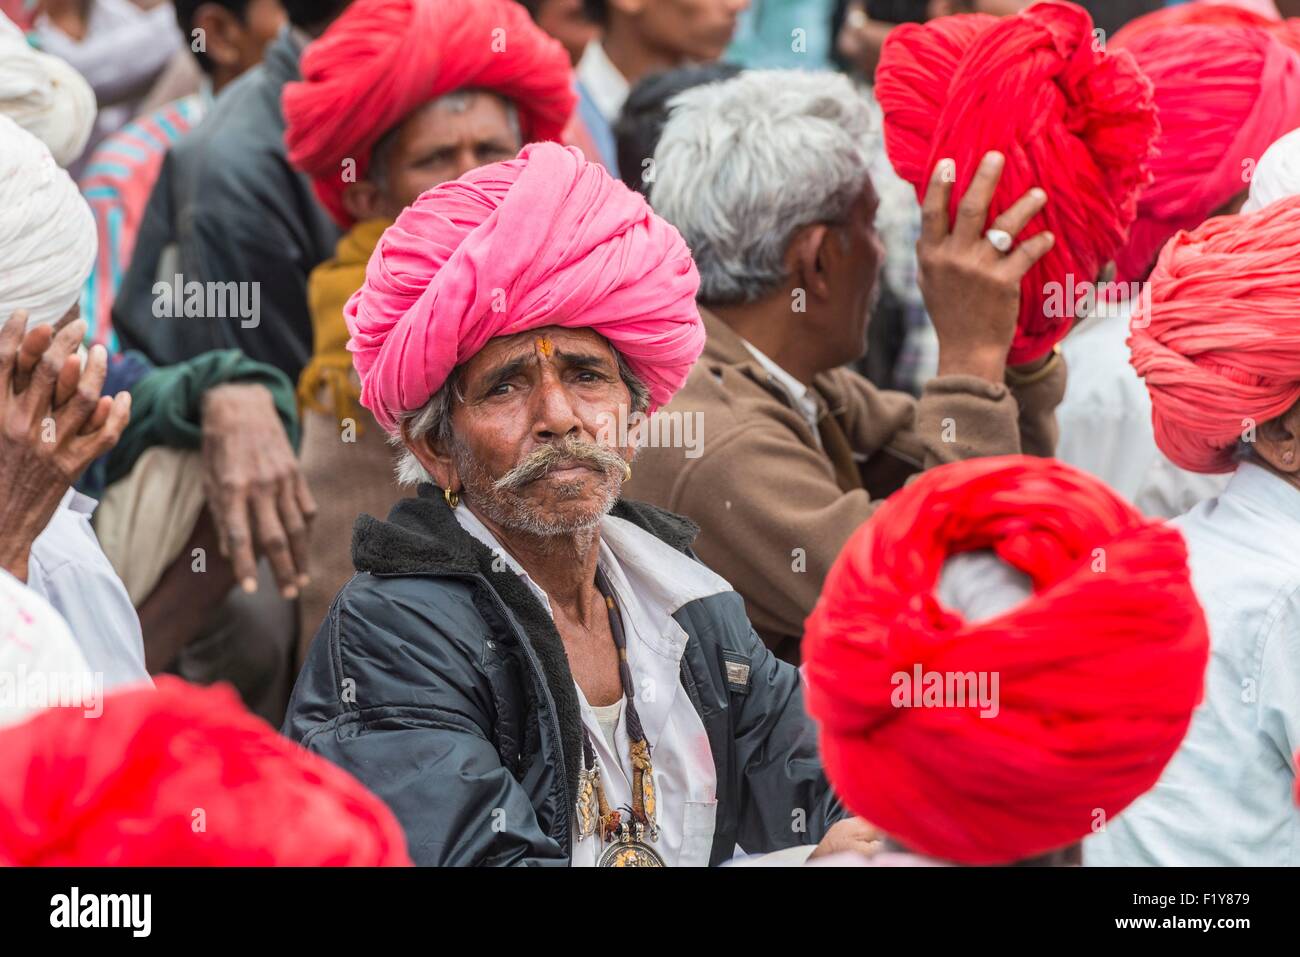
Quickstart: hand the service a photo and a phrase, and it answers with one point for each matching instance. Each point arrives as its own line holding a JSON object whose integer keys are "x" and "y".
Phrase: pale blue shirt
{"x": 1227, "y": 797}
{"x": 69, "y": 570}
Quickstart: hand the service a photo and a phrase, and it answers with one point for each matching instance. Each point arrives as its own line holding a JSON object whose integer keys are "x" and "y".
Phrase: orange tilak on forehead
{"x": 545, "y": 347}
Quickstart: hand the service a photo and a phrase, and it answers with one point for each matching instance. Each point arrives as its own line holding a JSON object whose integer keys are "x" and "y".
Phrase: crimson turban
{"x": 546, "y": 239}
{"x": 383, "y": 59}
{"x": 1075, "y": 121}
{"x": 1224, "y": 94}
{"x": 1098, "y": 673}
{"x": 180, "y": 775}
{"x": 1219, "y": 340}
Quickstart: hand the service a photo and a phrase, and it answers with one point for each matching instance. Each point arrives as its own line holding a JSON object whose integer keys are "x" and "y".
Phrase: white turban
{"x": 38, "y": 655}
{"x": 48, "y": 240}
{"x": 1277, "y": 174}
{"x": 44, "y": 95}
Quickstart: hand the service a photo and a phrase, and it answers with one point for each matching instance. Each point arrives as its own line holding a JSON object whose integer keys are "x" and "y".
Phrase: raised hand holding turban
{"x": 1069, "y": 117}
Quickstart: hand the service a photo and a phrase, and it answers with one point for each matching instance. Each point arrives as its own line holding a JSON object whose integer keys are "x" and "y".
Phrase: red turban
{"x": 1218, "y": 342}
{"x": 1075, "y": 121}
{"x": 383, "y": 59}
{"x": 180, "y": 775}
{"x": 1098, "y": 673}
{"x": 1224, "y": 94}
{"x": 546, "y": 239}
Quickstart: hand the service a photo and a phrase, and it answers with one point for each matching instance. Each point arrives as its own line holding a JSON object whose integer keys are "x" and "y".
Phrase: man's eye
{"x": 501, "y": 388}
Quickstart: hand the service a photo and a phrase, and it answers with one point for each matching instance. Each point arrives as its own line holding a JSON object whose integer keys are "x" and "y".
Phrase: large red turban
{"x": 382, "y": 59}
{"x": 180, "y": 775}
{"x": 1073, "y": 120}
{"x": 1224, "y": 94}
{"x": 1098, "y": 672}
{"x": 1218, "y": 336}
{"x": 546, "y": 239}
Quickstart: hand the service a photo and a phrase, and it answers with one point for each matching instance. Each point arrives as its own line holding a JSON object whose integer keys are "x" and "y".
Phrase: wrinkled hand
{"x": 851, "y": 834}
{"x": 971, "y": 290}
{"x": 53, "y": 424}
{"x": 258, "y": 497}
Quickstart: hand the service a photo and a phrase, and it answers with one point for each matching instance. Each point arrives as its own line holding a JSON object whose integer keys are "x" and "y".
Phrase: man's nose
{"x": 466, "y": 160}
{"x": 556, "y": 415}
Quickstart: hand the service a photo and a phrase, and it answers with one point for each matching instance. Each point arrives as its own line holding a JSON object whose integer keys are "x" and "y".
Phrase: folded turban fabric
{"x": 546, "y": 239}
{"x": 1074, "y": 120}
{"x": 1097, "y": 674}
{"x": 47, "y": 232}
{"x": 1277, "y": 175}
{"x": 180, "y": 775}
{"x": 1224, "y": 94}
{"x": 44, "y": 95}
{"x": 1217, "y": 336}
{"x": 382, "y": 59}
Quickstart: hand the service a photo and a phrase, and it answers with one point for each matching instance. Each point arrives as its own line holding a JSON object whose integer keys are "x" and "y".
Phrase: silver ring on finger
{"x": 1001, "y": 239}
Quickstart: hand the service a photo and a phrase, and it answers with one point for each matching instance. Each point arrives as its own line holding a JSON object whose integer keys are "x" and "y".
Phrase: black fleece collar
{"x": 422, "y": 537}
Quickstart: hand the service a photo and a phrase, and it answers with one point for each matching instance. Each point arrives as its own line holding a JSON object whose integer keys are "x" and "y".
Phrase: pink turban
{"x": 383, "y": 59}
{"x": 1219, "y": 342}
{"x": 1224, "y": 94}
{"x": 552, "y": 238}
{"x": 1078, "y": 122}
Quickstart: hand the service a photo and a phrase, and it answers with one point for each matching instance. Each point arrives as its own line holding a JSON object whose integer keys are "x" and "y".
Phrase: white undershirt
{"x": 607, "y": 716}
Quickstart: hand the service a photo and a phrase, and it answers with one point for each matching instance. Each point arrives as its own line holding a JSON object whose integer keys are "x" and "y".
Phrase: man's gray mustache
{"x": 562, "y": 454}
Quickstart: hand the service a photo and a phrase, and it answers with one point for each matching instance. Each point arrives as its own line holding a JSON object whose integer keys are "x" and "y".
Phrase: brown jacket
{"x": 774, "y": 505}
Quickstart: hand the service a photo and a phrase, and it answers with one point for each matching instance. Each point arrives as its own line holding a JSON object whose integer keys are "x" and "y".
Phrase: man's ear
{"x": 220, "y": 34}
{"x": 806, "y": 260}
{"x": 363, "y": 200}
{"x": 1278, "y": 442}
{"x": 435, "y": 461}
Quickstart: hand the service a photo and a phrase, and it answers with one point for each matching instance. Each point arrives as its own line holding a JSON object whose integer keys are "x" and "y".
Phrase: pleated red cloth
{"x": 382, "y": 59}
{"x": 1218, "y": 342}
{"x": 1069, "y": 117}
{"x": 179, "y": 775}
{"x": 1224, "y": 94}
{"x": 1098, "y": 672}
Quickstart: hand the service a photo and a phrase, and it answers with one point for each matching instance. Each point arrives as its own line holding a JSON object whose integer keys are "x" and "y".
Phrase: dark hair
{"x": 645, "y": 114}
{"x": 311, "y": 15}
{"x": 1113, "y": 14}
{"x": 185, "y": 20}
{"x": 597, "y": 11}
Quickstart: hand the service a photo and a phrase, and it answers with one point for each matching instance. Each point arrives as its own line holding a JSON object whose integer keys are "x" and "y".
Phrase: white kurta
{"x": 1105, "y": 421}
{"x": 1228, "y": 795}
{"x": 650, "y": 581}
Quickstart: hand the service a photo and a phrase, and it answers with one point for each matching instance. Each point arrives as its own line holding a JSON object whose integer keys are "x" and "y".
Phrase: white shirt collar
{"x": 605, "y": 83}
{"x": 1264, "y": 491}
{"x": 803, "y": 401}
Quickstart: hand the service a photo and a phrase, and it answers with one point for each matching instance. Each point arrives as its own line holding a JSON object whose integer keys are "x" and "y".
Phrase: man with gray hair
{"x": 766, "y": 176}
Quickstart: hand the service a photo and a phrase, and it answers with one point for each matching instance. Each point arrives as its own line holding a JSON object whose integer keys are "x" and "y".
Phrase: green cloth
{"x": 166, "y": 404}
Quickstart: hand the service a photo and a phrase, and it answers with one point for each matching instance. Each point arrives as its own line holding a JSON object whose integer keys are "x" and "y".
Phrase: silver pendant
{"x": 630, "y": 853}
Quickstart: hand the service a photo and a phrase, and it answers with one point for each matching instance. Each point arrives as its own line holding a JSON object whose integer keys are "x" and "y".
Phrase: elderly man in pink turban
{"x": 528, "y": 668}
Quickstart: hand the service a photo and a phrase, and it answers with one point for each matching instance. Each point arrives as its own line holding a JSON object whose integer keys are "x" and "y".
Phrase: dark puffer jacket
{"x": 441, "y": 683}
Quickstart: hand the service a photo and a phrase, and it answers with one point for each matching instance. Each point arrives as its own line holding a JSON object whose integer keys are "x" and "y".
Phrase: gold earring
{"x": 627, "y": 472}
{"x": 453, "y": 498}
